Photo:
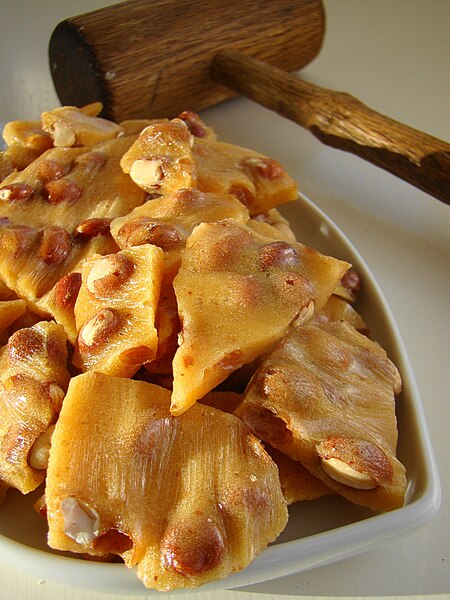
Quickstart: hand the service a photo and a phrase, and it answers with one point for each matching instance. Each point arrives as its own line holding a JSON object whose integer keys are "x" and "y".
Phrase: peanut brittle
{"x": 66, "y": 186}
{"x": 60, "y": 303}
{"x": 168, "y": 327}
{"x": 71, "y": 126}
{"x": 33, "y": 259}
{"x": 161, "y": 255}
{"x": 272, "y": 224}
{"x": 115, "y": 310}
{"x": 27, "y": 134}
{"x": 237, "y": 294}
{"x": 325, "y": 397}
{"x": 337, "y": 309}
{"x": 10, "y": 310}
{"x": 260, "y": 183}
{"x": 160, "y": 160}
{"x": 196, "y": 126}
{"x": 33, "y": 380}
{"x": 297, "y": 483}
{"x": 188, "y": 499}
{"x": 168, "y": 221}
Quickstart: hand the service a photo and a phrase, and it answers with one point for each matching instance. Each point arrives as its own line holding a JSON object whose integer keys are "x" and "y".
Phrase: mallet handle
{"x": 341, "y": 121}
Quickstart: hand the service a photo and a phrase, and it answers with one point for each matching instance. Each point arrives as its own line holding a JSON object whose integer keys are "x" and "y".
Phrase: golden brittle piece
{"x": 237, "y": 294}
{"x": 33, "y": 260}
{"x": 27, "y": 134}
{"x": 188, "y": 500}
{"x": 297, "y": 483}
{"x": 66, "y": 186}
{"x": 260, "y": 183}
{"x": 33, "y": 380}
{"x": 325, "y": 397}
{"x": 71, "y": 126}
{"x": 168, "y": 221}
{"x": 272, "y": 224}
{"x": 160, "y": 161}
{"x": 115, "y": 311}
{"x": 59, "y": 302}
{"x": 10, "y": 310}
{"x": 337, "y": 309}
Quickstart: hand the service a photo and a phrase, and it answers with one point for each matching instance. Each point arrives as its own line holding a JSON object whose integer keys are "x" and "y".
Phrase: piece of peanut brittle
{"x": 160, "y": 160}
{"x": 297, "y": 483}
{"x": 260, "y": 183}
{"x": 66, "y": 186}
{"x": 188, "y": 499}
{"x": 33, "y": 380}
{"x": 337, "y": 309}
{"x": 167, "y": 222}
{"x": 71, "y": 126}
{"x": 34, "y": 259}
{"x": 272, "y": 224}
{"x": 237, "y": 293}
{"x": 325, "y": 397}
{"x": 115, "y": 310}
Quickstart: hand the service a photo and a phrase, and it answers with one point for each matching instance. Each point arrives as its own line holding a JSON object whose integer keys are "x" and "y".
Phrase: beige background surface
{"x": 393, "y": 55}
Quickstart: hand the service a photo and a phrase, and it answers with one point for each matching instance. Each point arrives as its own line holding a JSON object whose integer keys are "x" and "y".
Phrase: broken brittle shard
{"x": 237, "y": 294}
{"x": 188, "y": 499}
{"x": 33, "y": 380}
{"x": 325, "y": 396}
{"x": 115, "y": 310}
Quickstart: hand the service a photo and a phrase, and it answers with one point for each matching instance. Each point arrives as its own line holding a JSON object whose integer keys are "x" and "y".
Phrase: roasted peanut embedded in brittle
{"x": 167, "y": 222}
{"x": 60, "y": 303}
{"x": 33, "y": 380}
{"x": 260, "y": 183}
{"x": 272, "y": 224}
{"x": 188, "y": 500}
{"x": 33, "y": 260}
{"x": 196, "y": 126}
{"x": 325, "y": 397}
{"x": 66, "y": 186}
{"x": 115, "y": 311}
{"x": 237, "y": 293}
{"x": 160, "y": 161}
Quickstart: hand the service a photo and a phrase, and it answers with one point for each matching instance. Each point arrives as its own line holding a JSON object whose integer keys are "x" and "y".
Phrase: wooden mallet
{"x": 156, "y": 58}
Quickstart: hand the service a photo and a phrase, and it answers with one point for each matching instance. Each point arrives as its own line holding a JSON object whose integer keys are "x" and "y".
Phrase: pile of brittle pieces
{"x": 175, "y": 367}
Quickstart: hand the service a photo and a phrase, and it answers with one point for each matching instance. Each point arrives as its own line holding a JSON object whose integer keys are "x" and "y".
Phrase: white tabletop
{"x": 392, "y": 55}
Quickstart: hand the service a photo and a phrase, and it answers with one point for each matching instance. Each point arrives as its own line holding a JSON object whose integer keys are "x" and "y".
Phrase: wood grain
{"x": 147, "y": 58}
{"x": 341, "y": 121}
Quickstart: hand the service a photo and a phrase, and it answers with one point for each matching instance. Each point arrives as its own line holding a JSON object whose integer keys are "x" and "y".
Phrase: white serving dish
{"x": 318, "y": 532}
